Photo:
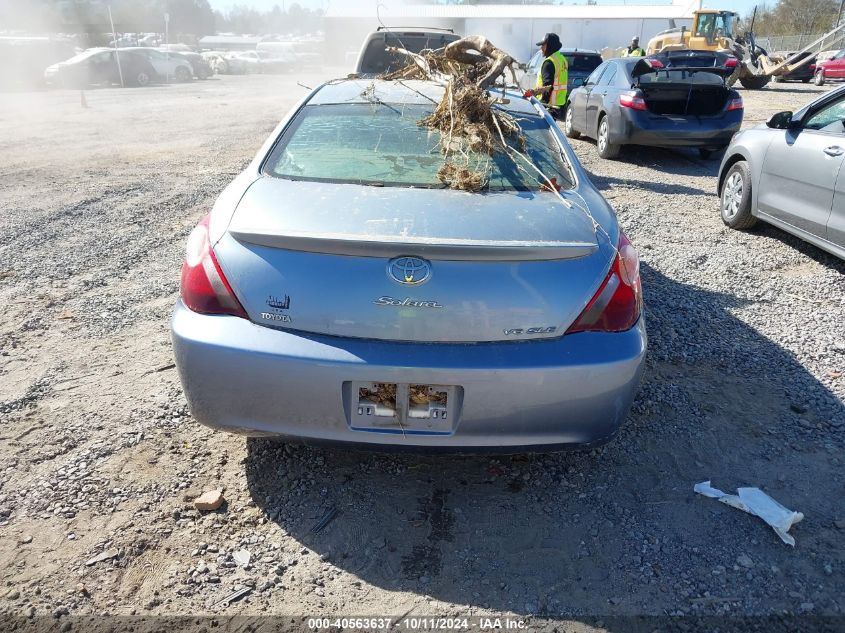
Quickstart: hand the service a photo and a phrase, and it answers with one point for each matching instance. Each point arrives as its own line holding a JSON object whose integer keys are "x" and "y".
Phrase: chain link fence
{"x": 776, "y": 43}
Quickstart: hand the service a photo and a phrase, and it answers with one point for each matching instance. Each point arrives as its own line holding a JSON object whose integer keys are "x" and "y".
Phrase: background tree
{"x": 794, "y": 17}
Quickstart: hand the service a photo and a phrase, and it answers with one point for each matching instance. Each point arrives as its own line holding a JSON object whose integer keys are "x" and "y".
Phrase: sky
{"x": 743, "y": 7}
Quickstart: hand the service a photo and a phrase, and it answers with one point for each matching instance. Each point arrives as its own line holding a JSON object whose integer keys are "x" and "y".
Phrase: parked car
{"x": 656, "y": 101}
{"x": 803, "y": 73}
{"x": 199, "y": 66}
{"x": 167, "y": 65}
{"x": 373, "y": 59}
{"x": 25, "y": 58}
{"x": 221, "y": 65}
{"x": 787, "y": 173}
{"x": 833, "y": 68}
{"x": 100, "y": 66}
{"x": 266, "y": 62}
{"x": 420, "y": 316}
{"x": 581, "y": 63}
{"x": 302, "y": 54}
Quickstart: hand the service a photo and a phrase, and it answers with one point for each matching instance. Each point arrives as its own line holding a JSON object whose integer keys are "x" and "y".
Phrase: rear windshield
{"x": 583, "y": 63}
{"x": 377, "y": 60}
{"x": 383, "y": 145}
{"x": 701, "y": 78}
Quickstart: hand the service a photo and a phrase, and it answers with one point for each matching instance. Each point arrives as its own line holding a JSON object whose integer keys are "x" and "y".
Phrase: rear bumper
{"x": 643, "y": 128}
{"x": 254, "y": 380}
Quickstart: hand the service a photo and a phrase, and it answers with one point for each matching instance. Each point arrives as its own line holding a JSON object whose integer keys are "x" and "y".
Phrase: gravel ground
{"x": 100, "y": 458}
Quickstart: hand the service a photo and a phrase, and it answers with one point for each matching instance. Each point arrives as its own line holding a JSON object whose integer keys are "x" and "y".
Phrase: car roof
{"x": 580, "y": 51}
{"x": 413, "y": 31}
{"x": 408, "y": 91}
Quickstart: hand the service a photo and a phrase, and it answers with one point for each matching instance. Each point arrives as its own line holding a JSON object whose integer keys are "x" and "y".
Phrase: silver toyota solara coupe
{"x": 339, "y": 292}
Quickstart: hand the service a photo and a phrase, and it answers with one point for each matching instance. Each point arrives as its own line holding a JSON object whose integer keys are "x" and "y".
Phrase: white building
{"x": 513, "y": 27}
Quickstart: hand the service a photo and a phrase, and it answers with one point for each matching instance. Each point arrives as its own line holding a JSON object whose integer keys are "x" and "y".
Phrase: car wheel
{"x": 605, "y": 147}
{"x": 570, "y": 131}
{"x": 818, "y": 79}
{"x": 142, "y": 79}
{"x": 183, "y": 74}
{"x": 735, "y": 199}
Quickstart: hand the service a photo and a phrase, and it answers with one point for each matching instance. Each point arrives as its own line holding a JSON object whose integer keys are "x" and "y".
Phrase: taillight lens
{"x": 735, "y": 104}
{"x": 632, "y": 100}
{"x": 617, "y": 305}
{"x": 204, "y": 287}
{"x": 654, "y": 63}
{"x": 731, "y": 62}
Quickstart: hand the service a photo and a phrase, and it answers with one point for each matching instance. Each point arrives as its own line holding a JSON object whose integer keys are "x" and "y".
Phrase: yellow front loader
{"x": 713, "y": 30}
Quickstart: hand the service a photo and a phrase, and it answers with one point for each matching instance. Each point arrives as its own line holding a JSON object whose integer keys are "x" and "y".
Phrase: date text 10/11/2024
{"x": 418, "y": 624}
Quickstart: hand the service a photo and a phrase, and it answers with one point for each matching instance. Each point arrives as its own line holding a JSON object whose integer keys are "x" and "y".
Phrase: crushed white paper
{"x": 756, "y": 502}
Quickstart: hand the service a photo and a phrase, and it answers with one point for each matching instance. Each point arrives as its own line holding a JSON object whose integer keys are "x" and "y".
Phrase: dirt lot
{"x": 744, "y": 386}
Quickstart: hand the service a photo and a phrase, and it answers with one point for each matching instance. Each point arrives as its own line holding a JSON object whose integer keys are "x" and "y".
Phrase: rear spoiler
{"x": 646, "y": 66}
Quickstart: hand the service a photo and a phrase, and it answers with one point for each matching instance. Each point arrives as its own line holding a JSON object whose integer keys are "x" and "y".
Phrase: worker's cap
{"x": 551, "y": 39}
{"x": 635, "y": 39}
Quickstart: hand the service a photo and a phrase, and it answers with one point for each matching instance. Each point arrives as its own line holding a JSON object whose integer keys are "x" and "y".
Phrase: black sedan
{"x": 656, "y": 102}
{"x": 803, "y": 73}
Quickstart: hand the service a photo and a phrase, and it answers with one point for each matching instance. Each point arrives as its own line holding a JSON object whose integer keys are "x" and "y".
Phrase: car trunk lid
{"x": 682, "y": 91}
{"x": 503, "y": 266}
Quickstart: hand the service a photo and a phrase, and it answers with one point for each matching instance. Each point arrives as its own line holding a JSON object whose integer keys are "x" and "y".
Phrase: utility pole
{"x": 116, "y": 52}
{"x": 167, "y": 40}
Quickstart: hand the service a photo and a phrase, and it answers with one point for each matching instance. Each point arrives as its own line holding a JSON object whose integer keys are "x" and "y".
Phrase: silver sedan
{"x": 340, "y": 292}
{"x": 788, "y": 173}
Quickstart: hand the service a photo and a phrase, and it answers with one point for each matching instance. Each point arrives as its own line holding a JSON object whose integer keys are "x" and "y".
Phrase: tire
{"x": 735, "y": 198}
{"x": 806, "y": 80}
{"x": 754, "y": 82}
{"x": 567, "y": 125}
{"x": 182, "y": 74}
{"x": 142, "y": 79}
{"x": 605, "y": 147}
{"x": 818, "y": 78}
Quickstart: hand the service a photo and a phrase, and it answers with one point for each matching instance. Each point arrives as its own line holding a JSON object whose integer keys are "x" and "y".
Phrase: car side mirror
{"x": 781, "y": 121}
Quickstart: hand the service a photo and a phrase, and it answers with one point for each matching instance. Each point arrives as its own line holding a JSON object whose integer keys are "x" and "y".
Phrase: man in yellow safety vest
{"x": 553, "y": 76}
{"x": 634, "y": 49}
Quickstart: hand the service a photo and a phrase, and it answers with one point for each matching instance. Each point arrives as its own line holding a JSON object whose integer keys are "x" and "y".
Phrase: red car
{"x": 833, "y": 68}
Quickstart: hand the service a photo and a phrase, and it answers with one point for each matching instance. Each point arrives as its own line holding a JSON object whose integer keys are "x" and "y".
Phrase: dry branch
{"x": 484, "y": 52}
{"x": 471, "y": 130}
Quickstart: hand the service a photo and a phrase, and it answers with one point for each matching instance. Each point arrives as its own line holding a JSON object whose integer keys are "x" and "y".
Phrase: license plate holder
{"x": 403, "y": 408}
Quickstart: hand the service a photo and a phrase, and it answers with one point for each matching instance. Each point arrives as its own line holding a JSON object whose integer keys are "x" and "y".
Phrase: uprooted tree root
{"x": 471, "y": 130}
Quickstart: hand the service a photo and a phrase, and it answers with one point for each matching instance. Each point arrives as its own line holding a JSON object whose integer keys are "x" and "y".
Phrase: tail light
{"x": 654, "y": 63}
{"x": 632, "y": 100}
{"x": 204, "y": 287}
{"x": 735, "y": 104}
{"x": 731, "y": 62}
{"x": 617, "y": 305}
